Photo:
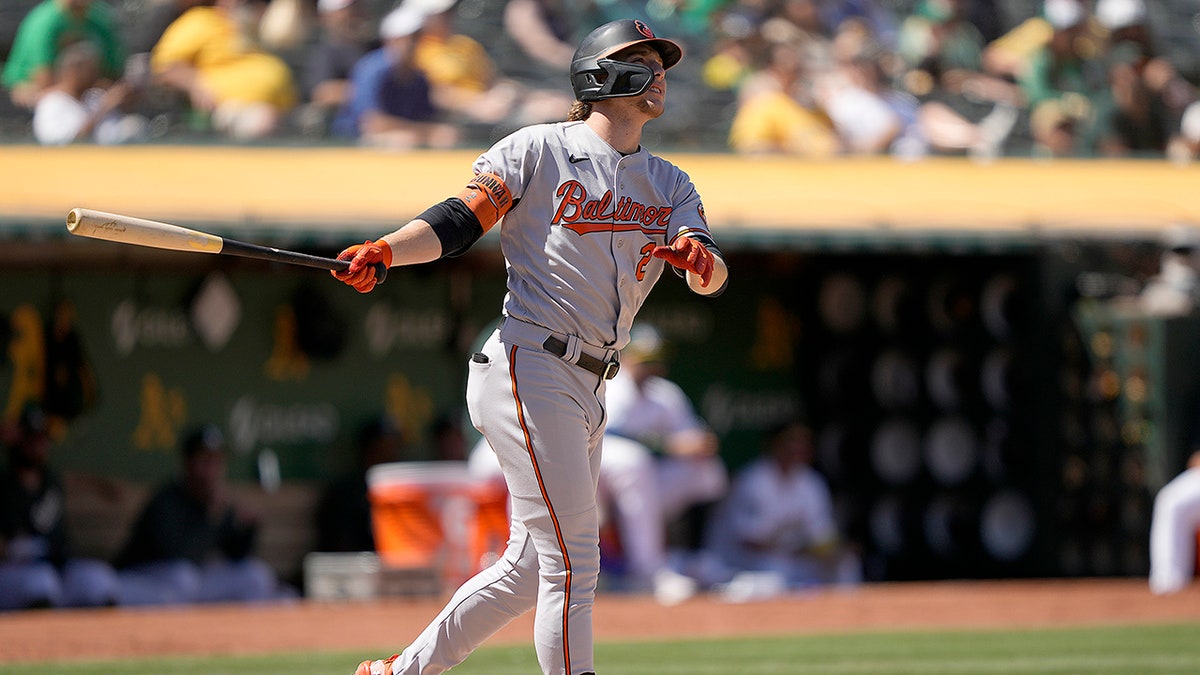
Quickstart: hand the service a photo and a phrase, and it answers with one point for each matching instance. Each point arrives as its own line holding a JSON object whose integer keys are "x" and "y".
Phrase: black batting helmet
{"x": 594, "y": 76}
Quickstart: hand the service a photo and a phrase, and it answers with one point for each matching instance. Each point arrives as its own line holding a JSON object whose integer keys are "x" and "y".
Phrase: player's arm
{"x": 447, "y": 228}
{"x": 697, "y": 442}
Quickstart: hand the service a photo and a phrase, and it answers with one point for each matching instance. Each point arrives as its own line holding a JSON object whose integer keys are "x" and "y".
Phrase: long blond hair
{"x": 580, "y": 110}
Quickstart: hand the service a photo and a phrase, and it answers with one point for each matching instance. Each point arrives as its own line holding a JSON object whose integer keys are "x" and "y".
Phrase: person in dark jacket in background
{"x": 37, "y": 568}
{"x": 191, "y": 543}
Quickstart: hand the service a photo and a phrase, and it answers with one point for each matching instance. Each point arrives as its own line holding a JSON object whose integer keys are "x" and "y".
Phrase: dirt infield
{"x": 115, "y": 633}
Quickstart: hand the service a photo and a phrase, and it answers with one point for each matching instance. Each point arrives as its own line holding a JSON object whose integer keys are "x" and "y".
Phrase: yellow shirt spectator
{"x": 232, "y": 67}
{"x": 773, "y": 122}
{"x": 455, "y": 61}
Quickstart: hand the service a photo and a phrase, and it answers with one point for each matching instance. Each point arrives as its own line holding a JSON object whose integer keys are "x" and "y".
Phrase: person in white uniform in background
{"x": 589, "y": 219}
{"x": 779, "y": 518}
{"x": 1173, "y": 529}
{"x": 660, "y": 459}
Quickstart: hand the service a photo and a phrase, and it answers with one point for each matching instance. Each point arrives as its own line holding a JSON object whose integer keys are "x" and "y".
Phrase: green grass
{"x": 1127, "y": 650}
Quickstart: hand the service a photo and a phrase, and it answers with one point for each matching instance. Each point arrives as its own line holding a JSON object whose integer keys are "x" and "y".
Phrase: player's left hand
{"x": 688, "y": 254}
{"x": 364, "y": 261}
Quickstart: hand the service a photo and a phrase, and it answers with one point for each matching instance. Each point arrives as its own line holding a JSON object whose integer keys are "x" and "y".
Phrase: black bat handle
{"x": 381, "y": 270}
{"x": 247, "y": 250}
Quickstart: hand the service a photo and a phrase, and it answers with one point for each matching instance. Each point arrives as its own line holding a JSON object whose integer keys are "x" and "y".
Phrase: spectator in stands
{"x": 344, "y": 512}
{"x": 799, "y": 23}
{"x": 543, "y": 31}
{"x": 779, "y": 517}
{"x": 870, "y": 116}
{"x": 1129, "y": 117}
{"x": 391, "y": 105}
{"x": 1145, "y": 97}
{"x": 879, "y": 18}
{"x": 743, "y": 41}
{"x": 45, "y": 31}
{"x": 776, "y": 113}
{"x": 1054, "y": 60}
{"x": 465, "y": 82}
{"x": 1184, "y": 145}
{"x": 1012, "y": 53}
{"x": 344, "y": 35}
{"x": 79, "y": 108}
{"x": 191, "y": 543}
{"x": 1126, "y": 21}
{"x": 37, "y": 568}
{"x": 961, "y": 107}
{"x": 211, "y": 55}
{"x": 147, "y": 26}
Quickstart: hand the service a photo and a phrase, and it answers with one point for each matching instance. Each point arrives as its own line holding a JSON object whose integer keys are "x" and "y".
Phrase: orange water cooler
{"x": 437, "y": 518}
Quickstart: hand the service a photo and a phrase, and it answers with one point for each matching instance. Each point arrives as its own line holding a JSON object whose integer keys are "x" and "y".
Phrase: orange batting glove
{"x": 688, "y": 254}
{"x": 369, "y": 262}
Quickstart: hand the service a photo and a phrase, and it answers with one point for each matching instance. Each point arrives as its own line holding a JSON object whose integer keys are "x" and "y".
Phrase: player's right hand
{"x": 363, "y": 260}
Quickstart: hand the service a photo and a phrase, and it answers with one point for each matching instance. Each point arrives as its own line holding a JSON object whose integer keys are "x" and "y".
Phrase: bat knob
{"x": 380, "y": 272}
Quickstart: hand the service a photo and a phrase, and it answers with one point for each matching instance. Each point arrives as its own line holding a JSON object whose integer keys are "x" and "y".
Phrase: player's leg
{"x": 25, "y": 585}
{"x": 88, "y": 582}
{"x": 159, "y": 583}
{"x": 533, "y": 568}
{"x": 1173, "y": 526}
{"x": 627, "y": 473}
{"x": 483, "y": 605}
{"x": 549, "y": 449}
{"x": 248, "y": 579}
{"x": 684, "y": 481}
{"x": 507, "y": 589}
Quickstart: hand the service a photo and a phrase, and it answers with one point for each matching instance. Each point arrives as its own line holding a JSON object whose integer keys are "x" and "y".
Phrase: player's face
{"x": 652, "y": 103}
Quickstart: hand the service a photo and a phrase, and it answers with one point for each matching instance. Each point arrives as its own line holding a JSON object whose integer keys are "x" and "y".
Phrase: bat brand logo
{"x": 111, "y": 226}
{"x": 203, "y": 242}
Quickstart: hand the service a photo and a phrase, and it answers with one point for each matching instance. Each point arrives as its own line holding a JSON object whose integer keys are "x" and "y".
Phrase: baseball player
{"x": 589, "y": 221}
{"x": 1173, "y": 525}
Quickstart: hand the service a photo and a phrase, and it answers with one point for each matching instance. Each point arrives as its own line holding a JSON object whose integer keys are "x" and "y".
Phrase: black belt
{"x": 605, "y": 369}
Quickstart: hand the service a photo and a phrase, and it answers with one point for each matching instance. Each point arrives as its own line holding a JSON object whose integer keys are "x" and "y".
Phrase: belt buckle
{"x": 610, "y": 369}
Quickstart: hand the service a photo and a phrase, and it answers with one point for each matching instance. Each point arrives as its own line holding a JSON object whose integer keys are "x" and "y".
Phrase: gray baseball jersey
{"x": 577, "y": 241}
{"x": 585, "y": 219}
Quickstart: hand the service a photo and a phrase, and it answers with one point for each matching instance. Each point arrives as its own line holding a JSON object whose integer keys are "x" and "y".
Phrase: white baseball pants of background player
{"x": 1173, "y": 526}
{"x": 544, "y": 418}
{"x": 629, "y": 483}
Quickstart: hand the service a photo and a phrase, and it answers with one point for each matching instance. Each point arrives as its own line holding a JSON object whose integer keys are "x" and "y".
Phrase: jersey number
{"x": 646, "y": 255}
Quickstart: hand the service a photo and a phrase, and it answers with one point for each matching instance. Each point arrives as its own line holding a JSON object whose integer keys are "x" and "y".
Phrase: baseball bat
{"x": 155, "y": 234}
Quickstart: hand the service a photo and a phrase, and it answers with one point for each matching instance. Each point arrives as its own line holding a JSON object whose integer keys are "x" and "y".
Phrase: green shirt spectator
{"x": 44, "y": 32}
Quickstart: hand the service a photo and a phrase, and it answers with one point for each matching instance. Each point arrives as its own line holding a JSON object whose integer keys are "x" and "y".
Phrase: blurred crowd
{"x": 811, "y": 78}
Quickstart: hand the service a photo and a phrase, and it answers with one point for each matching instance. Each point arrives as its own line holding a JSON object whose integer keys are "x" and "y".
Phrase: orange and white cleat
{"x": 377, "y": 667}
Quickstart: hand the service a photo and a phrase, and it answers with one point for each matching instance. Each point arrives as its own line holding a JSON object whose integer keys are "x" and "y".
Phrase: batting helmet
{"x": 595, "y": 76}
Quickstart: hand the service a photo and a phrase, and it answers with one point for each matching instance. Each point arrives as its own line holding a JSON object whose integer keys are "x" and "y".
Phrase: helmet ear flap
{"x": 613, "y": 79}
